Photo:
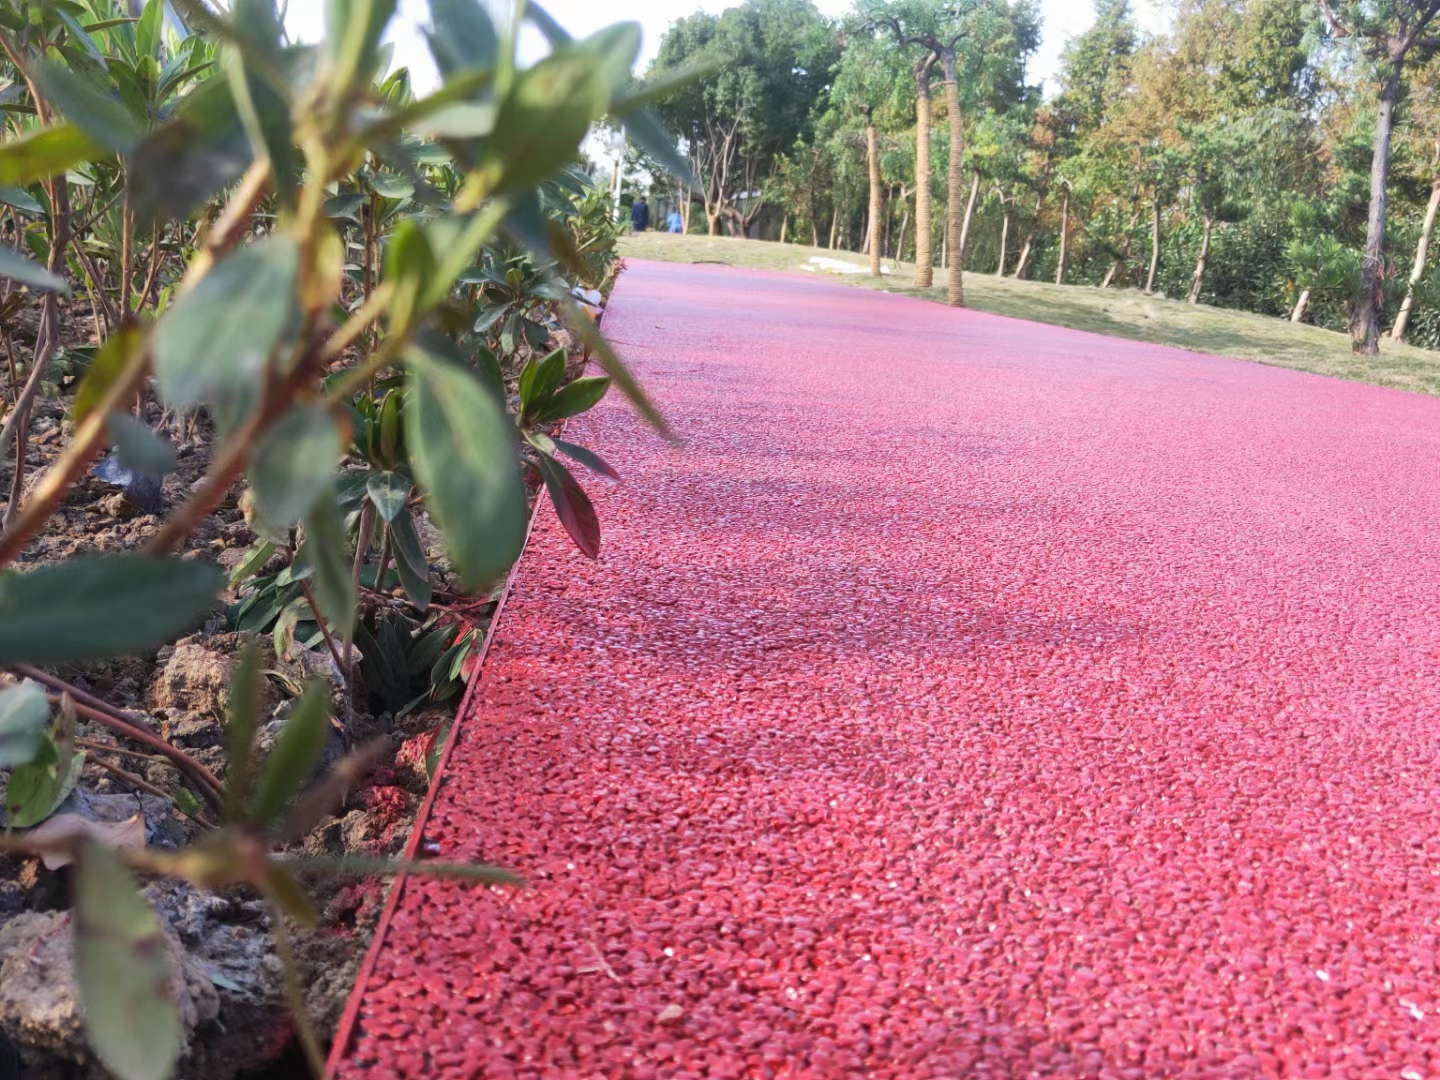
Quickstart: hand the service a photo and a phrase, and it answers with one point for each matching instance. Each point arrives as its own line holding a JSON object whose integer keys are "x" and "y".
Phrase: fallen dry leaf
{"x": 59, "y": 835}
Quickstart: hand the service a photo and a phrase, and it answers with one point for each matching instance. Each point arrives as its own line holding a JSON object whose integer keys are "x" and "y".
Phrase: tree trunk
{"x": 969, "y": 217}
{"x": 1154, "y": 246}
{"x": 1124, "y": 257}
{"x": 887, "y": 217}
{"x": 872, "y": 157}
{"x": 834, "y": 224}
{"x": 1004, "y": 237}
{"x": 1301, "y": 306}
{"x": 1028, "y": 248}
{"x": 1064, "y": 235}
{"x": 900, "y": 244}
{"x": 1024, "y": 263}
{"x": 924, "y": 225}
{"x": 714, "y": 221}
{"x": 810, "y": 202}
{"x": 1422, "y": 249}
{"x": 1365, "y": 324}
{"x": 955, "y": 286}
{"x": 1198, "y": 281}
{"x": 784, "y": 227}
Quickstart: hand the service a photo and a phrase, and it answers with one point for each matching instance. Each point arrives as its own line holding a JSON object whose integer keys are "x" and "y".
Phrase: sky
{"x": 1063, "y": 20}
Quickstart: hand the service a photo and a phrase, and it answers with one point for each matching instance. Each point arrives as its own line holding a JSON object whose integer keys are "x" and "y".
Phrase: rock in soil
{"x": 230, "y": 987}
{"x": 162, "y": 828}
{"x": 195, "y": 682}
{"x": 39, "y": 1003}
{"x": 190, "y": 696}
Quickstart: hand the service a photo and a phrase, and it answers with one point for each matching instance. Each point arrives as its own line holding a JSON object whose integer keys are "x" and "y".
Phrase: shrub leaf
{"x": 98, "y": 606}
{"x": 462, "y": 447}
{"x": 123, "y": 968}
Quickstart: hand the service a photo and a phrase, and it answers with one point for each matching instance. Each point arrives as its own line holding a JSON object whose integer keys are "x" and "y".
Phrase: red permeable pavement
{"x": 966, "y": 697}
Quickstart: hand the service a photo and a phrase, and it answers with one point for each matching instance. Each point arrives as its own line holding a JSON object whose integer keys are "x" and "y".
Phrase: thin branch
{"x": 1341, "y": 30}
{"x": 335, "y": 654}
{"x": 205, "y": 780}
{"x": 90, "y": 222}
{"x": 141, "y": 784}
{"x": 116, "y": 748}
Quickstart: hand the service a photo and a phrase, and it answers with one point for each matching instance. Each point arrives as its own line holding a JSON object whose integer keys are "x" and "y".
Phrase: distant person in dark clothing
{"x": 640, "y": 215}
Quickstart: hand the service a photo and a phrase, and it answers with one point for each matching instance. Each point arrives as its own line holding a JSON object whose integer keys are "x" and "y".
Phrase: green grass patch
{"x": 1122, "y": 313}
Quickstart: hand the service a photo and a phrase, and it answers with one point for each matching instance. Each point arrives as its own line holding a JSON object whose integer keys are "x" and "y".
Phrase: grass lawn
{"x": 1118, "y": 312}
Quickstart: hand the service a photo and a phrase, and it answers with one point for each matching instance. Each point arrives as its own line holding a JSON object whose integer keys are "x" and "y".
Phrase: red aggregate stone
{"x": 964, "y": 698}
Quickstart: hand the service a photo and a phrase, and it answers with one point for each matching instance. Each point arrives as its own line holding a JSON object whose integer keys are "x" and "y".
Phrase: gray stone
{"x": 39, "y": 1001}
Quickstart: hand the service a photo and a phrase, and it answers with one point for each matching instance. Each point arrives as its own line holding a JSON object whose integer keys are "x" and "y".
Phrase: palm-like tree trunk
{"x": 955, "y": 286}
{"x": 924, "y": 226}
{"x": 1422, "y": 250}
{"x": 872, "y": 157}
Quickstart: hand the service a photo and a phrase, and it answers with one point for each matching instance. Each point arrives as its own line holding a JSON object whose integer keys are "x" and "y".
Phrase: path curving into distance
{"x": 965, "y": 698}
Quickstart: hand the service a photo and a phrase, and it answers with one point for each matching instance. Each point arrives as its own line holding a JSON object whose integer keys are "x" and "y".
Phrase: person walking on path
{"x": 675, "y": 223}
{"x": 640, "y": 215}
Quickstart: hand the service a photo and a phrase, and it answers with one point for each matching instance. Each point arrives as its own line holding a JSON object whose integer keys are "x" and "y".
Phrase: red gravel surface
{"x": 966, "y": 698}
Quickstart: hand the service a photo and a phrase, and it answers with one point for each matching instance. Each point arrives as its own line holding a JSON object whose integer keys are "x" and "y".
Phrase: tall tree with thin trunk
{"x": 1064, "y": 233}
{"x": 1043, "y": 148}
{"x": 905, "y": 22}
{"x": 1197, "y": 280}
{"x": 773, "y": 60}
{"x": 969, "y": 215}
{"x": 1222, "y": 169}
{"x": 1391, "y": 33}
{"x": 1027, "y": 246}
{"x": 872, "y": 161}
{"x": 987, "y": 40}
{"x": 941, "y": 30}
{"x": 1419, "y": 139}
{"x": 1004, "y": 229}
{"x": 1154, "y": 245}
{"x": 1422, "y": 250}
{"x": 868, "y": 86}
